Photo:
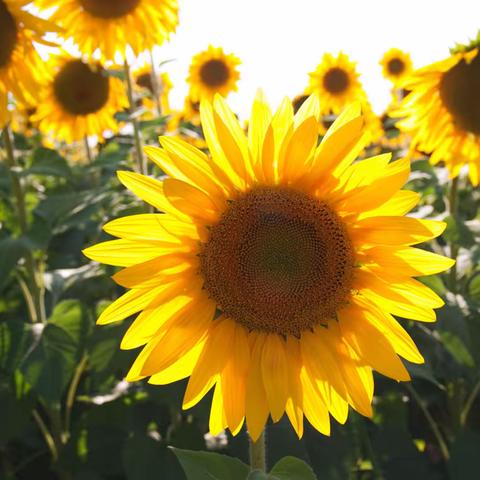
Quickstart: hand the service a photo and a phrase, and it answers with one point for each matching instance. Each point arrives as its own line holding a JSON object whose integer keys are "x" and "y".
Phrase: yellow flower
{"x": 275, "y": 270}
{"x": 396, "y": 65}
{"x": 144, "y": 82}
{"x": 112, "y": 26}
{"x": 442, "y": 112}
{"x": 79, "y": 100}
{"x": 213, "y": 71}
{"x": 21, "y": 68}
{"x": 335, "y": 80}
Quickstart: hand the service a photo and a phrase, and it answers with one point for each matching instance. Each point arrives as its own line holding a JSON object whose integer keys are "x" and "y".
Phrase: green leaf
{"x": 11, "y": 250}
{"x": 48, "y": 162}
{"x": 464, "y": 461}
{"x": 258, "y": 475}
{"x": 291, "y": 468}
{"x": 210, "y": 466}
{"x": 147, "y": 459}
{"x": 474, "y": 287}
{"x": 12, "y": 344}
{"x": 57, "y": 349}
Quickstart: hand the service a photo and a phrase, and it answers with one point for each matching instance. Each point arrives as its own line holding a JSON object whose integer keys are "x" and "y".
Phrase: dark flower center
{"x": 145, "y": 81}
{"x": 298, "y": 101}
{"x": 336, "y": 80}
{"x": 396, "y": 66}
{"x": 8, "y": 35}
{"x": 109, "y": 8}
{"x": 79, "y": 89}
{"x": 459, "y": 91}
{"x": 278, "y": 261}
{"x": 214, "y": 73}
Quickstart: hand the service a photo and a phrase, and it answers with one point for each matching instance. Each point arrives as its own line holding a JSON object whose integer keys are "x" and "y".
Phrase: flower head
{"x": 275, "y": 269}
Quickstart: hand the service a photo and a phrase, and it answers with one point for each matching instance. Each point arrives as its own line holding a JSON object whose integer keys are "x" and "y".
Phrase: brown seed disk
{"x": 109, "y": 8}
{"x": 336, "y": 80}
{"x": 79, "y": 89}
{"x": 8, "y": 35}
{"x": 459, "y": 91}
{"x": 395, "y": 66}
{"x": 214, "y": 73}
{"x": 278, "y": 261}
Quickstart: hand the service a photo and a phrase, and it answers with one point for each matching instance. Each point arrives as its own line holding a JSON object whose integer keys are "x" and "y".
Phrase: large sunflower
{"x": 213, "y": 71}
{"x": 274, "y": 272}
{"x": 442, "y": 112}
{"x": 396, "y": 65}
{"x": 79, "y": 100}
{"x": 336, "y": 81}
{"x": 113, "y": 25}
{"x": 21, "y": 68}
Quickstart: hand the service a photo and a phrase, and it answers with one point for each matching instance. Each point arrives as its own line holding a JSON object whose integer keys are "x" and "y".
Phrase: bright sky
{"x": 280, "y": 41}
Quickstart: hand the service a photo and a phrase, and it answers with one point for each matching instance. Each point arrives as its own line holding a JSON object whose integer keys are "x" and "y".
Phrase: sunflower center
{"x": 396, "y": 66}
{"x": 298, "y": 101}
{"x": 459, "y": 91}
{"x": 278, "y": 261}
{"x": 79, "y": 89}
{"x": 109, "y": 8}
{"x": 336, "y": 80}
{"x": 8, "y": 35}
{"x": 145, "y": 81}
{"x": 214, "y": 73}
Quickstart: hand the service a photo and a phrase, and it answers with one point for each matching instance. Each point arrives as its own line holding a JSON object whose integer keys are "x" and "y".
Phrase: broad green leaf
{"x": 291, "y": 468}
{"x": 11, "y": 250}
{"x": 210, "y": 466}
{"x": 12, "y": 344}
{"x": 464, "y": 461}
{"x": 48, "y": 162}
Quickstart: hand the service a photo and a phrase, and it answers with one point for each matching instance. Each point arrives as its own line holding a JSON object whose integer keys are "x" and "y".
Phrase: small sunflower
{"x": 336, "y": 81}
{"x": 213, "y": 71}
{"x": 21, "y": 68}
{"x": 143, "y": 81}
{"x": 274, "y": 271}
{"x": 79, "y": 100}
{"x": 442, "y": 112}
{"x": 396, "y": 65}
{"x": 112, "y": 26}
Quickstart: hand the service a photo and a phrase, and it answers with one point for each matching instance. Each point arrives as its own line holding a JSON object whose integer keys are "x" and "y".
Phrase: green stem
{"x": 35, "y": 283}
{"x": 377, "y": 470}
{"x": 433, "y": 425}
{"x": 453, "y": 209}
{"x": 72, "y": 390}
{"x": 141, "y": 164}
{"x": 155, "y": 84}
{"x": 46, "y": 435}
{"x": 88, "y": 150}
{"x": 469, "y": 403}
{"x": 257, "y": 453}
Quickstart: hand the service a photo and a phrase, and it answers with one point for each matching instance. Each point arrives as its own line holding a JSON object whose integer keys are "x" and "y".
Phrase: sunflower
{"x": 143, "y": 81}
{"x": 138, "y": 24}
{"x": 273, "y": 274}
{"x": 396, "y": 65}
{"x": 213, "y": 71}
{"x": 336, "y": 81}
{"x": 79, "y": 100}
{"x": 442, "y": 112}
{"x": 21, "y": 68}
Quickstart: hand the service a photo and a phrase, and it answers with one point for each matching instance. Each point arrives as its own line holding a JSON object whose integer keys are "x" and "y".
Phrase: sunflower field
{"x": 190, "y": 293}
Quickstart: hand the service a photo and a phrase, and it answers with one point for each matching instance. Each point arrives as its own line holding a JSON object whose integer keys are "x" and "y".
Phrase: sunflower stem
{"x": 453, "y": 210}
{"x": 257, "y": 452}
{"x": 72, "y": 391}
{"x": 88, "y": 150}
{"x": 469, "y": 403}
{"x": 141, "y": 164}
{"x": 155, "y": 84}
{"x": 433, "y": 425}
{"x": 35, "y": 284}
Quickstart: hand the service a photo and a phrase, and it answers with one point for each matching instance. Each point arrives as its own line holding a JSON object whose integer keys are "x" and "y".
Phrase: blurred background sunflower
{"x": 79, "y": 100}
{"x": 212, "y": 71}
{"x": 110, "y": 26}
{"x": 396, "y": 65}
{"x": 442, "y": 112}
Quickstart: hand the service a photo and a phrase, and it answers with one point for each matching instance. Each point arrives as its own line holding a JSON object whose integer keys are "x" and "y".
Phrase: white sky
{"x": 280, "y": 41}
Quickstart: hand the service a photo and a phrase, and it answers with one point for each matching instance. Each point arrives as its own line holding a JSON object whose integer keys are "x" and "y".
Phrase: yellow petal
{"x": 294, "y": 407}
{"x": 370, "y": 345}
{"x": 310, "y": 108}
{"x": 181, "y": 334}
{"x": 213, "y": 357}
{"x": 256, "y": 399}
{"x": 218, "y": 421}
{"x": 400, "y": 204}
{"x": 179, "y": 370}
{"x": 274, "y": 373}
{"x": 396, "y": 230}
{"x": 124, "y": 253}
{"x": 190, "y": 200}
